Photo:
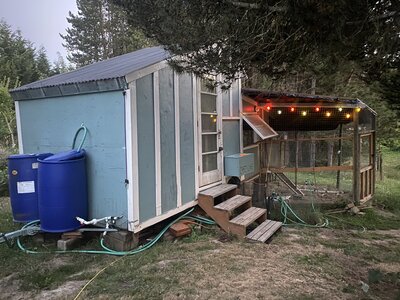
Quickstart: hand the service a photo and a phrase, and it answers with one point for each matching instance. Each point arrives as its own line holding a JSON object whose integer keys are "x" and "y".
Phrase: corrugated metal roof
{"x": 112, "y": 68}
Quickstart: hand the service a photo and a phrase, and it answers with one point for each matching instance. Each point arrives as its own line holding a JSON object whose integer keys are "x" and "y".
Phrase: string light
{"x": 279, "y": 112}
{"x": 292, "y": 109}
{"x": 304, "y": 113}
{"x": 348, "y": 116}
{"x": 317, "y": 109}
{"x": 340, "y": 108}
{"x": 358, "y": 109}
{"x": 269, "y": 107}
{"x": 328, "y": 113}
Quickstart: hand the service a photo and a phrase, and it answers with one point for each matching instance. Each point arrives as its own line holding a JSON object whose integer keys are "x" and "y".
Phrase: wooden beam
{"x": 311, "y": 169}
{"x": 325, "y": 138}
{"x": 339, "y": 162}
{"x": 356, "y": 160}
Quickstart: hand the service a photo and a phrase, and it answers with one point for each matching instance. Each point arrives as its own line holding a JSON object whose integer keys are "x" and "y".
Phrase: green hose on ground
{"x": 111, "y": 251}
{"x": 286, "y": 210}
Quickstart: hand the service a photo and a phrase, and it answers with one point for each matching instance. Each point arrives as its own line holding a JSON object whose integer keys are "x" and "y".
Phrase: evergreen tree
{"x": 59, "y": 65}
{"x": 42, "y": 64}
{"x": 273, "y": 36}
{"x": 99, "y": 31}
{"x": 17, "y": 56}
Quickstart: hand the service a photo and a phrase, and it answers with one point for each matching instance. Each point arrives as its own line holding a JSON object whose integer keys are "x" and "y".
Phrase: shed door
{"x": 210, "y": 137}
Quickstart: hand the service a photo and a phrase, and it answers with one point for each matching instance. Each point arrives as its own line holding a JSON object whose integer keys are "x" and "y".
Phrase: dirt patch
{"x": 65, "y": 291}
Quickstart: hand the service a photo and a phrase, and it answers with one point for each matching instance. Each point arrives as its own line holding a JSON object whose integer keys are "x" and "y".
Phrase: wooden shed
{"x": 155, "y": 138}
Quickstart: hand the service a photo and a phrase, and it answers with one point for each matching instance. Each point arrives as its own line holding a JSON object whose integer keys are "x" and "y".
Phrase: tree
{"x": 99, "y": 31}
{"x": 228, "y": 36}
{"x": 19, "y": 60}
{"x": 7, "y": 116}
{"x": 42, "y": 64}
{"x": 59, "y": 65}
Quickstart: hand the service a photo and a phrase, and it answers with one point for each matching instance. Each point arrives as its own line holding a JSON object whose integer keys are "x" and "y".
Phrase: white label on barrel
{"x": 35, "y": 165}
{"x": 25, "y": 187}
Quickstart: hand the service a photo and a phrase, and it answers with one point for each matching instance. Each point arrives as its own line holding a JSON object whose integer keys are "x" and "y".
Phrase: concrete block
{"x": 121, "y": 240}
{"x": 69, "y": 244}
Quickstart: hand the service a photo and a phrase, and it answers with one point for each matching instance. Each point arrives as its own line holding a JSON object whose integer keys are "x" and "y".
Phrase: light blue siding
{"x": 187, "y": 142}
{"x": 236, "y": 98}
{"x": 146, "y": 147}
{"x": 167, "y": 140}
{"x": 226, "y": 110}
{"x": 49, "y": 125}
{"x": 231, "y": 136}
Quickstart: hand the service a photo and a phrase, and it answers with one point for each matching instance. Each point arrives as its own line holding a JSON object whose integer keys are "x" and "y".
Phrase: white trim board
{"x": 19, "y": 128}
{"x": 162, "y": 217}
{"x": 177, "y": 141}
{"x": 128, "y": 153}
{"x": 145, "y": 71}
{"x": 157, "y": 142}
{"x": 195, "y": 134}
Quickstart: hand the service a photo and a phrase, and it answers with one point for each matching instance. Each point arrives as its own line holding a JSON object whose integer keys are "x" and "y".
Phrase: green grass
{"x": 388, "y": 191}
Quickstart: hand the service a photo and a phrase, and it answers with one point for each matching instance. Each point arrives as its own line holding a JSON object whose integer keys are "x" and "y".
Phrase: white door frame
{"x": 213, "y": 177}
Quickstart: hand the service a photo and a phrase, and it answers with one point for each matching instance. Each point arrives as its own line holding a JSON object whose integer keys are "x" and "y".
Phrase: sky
{"x": 40, "y": 21}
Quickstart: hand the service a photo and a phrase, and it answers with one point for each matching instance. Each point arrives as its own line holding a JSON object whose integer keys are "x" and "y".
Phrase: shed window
{"x": 263, "y": 130}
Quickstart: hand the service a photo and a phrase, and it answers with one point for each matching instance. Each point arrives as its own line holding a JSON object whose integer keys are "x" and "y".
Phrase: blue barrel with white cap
{"x": 23, "y": 186}
{"x": 62, "y": 182}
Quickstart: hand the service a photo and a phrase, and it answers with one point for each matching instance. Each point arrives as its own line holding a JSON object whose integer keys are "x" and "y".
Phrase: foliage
{"x": 18, "y": 59}
{"x": 271, "y": 37}
{"x": 7, "y": 117}
{"x": 99, "y": 31}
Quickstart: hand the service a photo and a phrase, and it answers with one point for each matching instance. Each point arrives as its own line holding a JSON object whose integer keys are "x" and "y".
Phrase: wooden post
{"x": 356, "y": 159}
{"x": 313, "y": 152}
{"x": 339, "y": 160}
{"x": 373, "y": 154}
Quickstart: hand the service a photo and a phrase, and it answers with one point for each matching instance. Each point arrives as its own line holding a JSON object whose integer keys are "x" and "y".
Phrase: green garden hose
{"x": 111, "y": 251}
{"x": 83, "y": 127}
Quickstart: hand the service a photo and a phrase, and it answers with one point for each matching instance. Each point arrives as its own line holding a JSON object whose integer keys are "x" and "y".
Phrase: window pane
{"x": 209, "y": 162}
{"x": 207, "y": 85}
{"x": 209, "y": 143}
{"x": 208, "y": 103}
{"x": 209, "y": 123}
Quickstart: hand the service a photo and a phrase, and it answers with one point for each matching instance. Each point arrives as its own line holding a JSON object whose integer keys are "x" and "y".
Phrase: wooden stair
{"x": 235, "y": 214}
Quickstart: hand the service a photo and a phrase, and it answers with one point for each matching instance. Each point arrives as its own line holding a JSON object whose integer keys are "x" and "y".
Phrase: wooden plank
{"x": 218, "y": 190}
{"x": 270, "y": 232}
{"x": 356, "y": 160}
{"x": 322, "y": 138}
{"x": 366, "y": 168}
{"x": 249, "y": 216}
{"x": 233, "y": 203}
{"x": 260, "y": 230}
{"x": 310, "y": 169}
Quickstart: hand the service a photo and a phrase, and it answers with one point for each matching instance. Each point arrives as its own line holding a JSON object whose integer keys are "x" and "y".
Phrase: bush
{"x": 3, "y": 174}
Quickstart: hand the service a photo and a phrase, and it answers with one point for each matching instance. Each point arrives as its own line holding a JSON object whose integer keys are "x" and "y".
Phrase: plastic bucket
{"x": 23, "y": 187}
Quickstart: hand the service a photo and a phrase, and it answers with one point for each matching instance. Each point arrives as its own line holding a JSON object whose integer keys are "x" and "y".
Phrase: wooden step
{"x": 264, "y": 231}
{"x": 249, "y": 216}
{"x": 218, "y": 190}
{"x": 231, "y": 204}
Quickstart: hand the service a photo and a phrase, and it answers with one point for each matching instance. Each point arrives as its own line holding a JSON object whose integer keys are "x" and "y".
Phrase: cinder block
{"x": 69, "y": 244}
{"x": 121, "y": 240}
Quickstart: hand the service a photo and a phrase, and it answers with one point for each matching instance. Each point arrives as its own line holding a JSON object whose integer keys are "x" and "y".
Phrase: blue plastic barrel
{"x": 62, "y": 182}
{"x": 22, "y": 183}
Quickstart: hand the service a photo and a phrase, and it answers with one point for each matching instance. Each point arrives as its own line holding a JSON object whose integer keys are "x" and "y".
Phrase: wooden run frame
{"x": 364, "y": 177}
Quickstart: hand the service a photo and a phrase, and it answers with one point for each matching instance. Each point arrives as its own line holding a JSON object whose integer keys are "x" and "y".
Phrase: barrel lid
{"x": 30, "y": 155}
{"x": 66, "y": 155}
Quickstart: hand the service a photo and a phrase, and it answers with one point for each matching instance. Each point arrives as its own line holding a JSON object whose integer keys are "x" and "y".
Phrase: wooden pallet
{"x": 235, "y": 214}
